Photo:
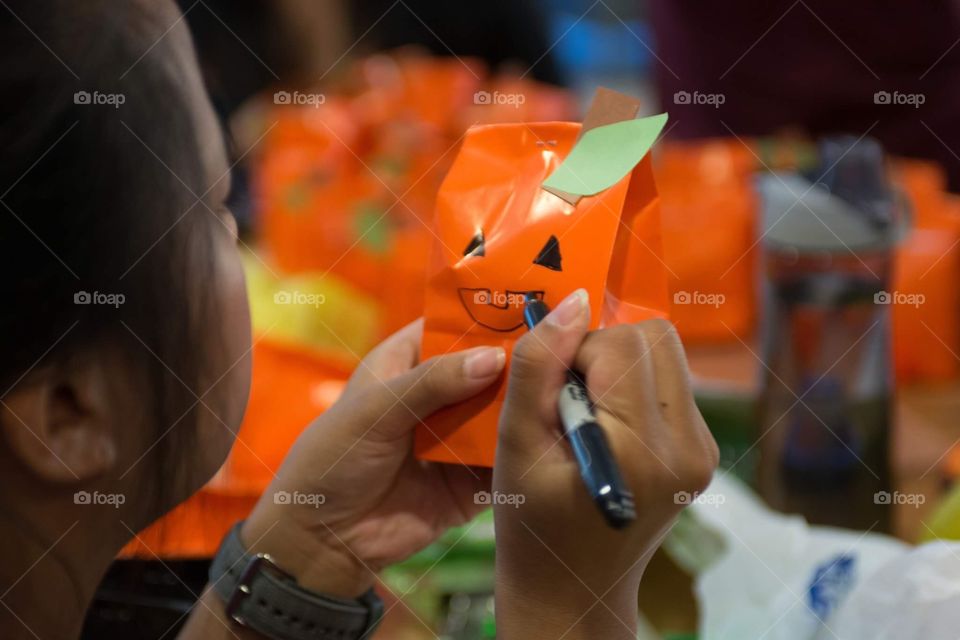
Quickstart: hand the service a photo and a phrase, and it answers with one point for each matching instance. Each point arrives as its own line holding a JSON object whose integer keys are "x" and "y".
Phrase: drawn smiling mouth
{"x": 496, "y": 310}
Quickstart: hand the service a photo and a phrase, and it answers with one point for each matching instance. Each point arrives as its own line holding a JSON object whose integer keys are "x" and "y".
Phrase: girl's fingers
{"x": 396, "y": 355}
{"x": 396, "y": 405}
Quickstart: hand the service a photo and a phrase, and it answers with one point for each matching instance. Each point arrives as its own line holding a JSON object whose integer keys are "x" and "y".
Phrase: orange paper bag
{"x": 538, "y": 208}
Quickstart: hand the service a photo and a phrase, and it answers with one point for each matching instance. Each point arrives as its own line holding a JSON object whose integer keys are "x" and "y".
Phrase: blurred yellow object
{"x": 319, "y": 312}
{"x": 945, "y": 523}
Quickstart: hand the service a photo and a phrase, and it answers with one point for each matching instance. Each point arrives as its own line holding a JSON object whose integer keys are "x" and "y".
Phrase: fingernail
{"x": 570, "y": 310}
{"x": 484, "y": 362}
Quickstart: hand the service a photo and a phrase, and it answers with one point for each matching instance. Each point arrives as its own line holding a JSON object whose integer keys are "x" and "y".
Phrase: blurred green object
{"x": 945, "y": 523}
{"x": 372, "y": 227}
{"x": 453, "y": 577}
{"x": 693, "y": 547}
{"x": 731, "y": 417}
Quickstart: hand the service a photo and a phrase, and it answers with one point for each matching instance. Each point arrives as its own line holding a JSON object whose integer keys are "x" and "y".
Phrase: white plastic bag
{"x": 917, "y": 595}
{"x": 769, "y": 575}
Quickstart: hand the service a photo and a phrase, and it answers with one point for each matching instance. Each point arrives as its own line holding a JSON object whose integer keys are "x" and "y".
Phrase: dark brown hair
{"x": 98, "y": 198}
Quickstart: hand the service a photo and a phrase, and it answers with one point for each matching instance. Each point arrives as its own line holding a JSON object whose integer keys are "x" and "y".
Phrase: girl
{"x": 125, "y": 368}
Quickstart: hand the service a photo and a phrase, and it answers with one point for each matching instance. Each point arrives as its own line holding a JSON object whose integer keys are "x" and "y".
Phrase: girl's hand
{"x": 556, "y": 556}
{"x": 350, "y": 498}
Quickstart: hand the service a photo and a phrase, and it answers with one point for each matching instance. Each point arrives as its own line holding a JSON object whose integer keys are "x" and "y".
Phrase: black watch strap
{"x": 263, "y": 597}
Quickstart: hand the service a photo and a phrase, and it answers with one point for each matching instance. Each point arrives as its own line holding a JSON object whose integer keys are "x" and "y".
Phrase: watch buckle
{"x": 244, "y": 582}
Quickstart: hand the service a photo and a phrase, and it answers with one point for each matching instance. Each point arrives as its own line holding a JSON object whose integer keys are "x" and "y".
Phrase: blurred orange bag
{"x": 709, "y": 236}
{"x": 501, "y": 234}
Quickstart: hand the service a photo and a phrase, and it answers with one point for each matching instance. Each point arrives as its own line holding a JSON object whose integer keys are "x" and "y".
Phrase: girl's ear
{"x": 59, "y": 424}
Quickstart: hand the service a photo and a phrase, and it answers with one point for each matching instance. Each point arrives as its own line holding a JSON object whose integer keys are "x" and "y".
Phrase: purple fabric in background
{"x": 815, "y": 65}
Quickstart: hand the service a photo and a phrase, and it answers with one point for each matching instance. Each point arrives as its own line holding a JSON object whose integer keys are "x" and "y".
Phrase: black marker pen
{"x": 598, "y": 467}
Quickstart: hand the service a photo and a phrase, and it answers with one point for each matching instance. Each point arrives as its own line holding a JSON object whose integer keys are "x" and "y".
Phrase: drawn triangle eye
{"x": 549, "y": 255}
{"x": 476, "y": 246}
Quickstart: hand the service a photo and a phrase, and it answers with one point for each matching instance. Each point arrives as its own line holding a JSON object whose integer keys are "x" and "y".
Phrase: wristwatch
{"x": 263, "y": 597}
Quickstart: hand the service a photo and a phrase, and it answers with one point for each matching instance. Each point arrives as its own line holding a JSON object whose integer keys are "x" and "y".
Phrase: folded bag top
{"x": 538, "y": 208}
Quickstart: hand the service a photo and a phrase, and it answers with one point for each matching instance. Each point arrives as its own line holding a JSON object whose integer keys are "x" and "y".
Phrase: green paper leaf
{"x": 372, "y": 227}
{"x": 605, "y": 154}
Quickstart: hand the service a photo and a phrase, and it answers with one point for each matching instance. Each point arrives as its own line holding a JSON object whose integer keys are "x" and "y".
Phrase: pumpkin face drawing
{"x": 502, "y": 310}
{"x": 503, "y": 237}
